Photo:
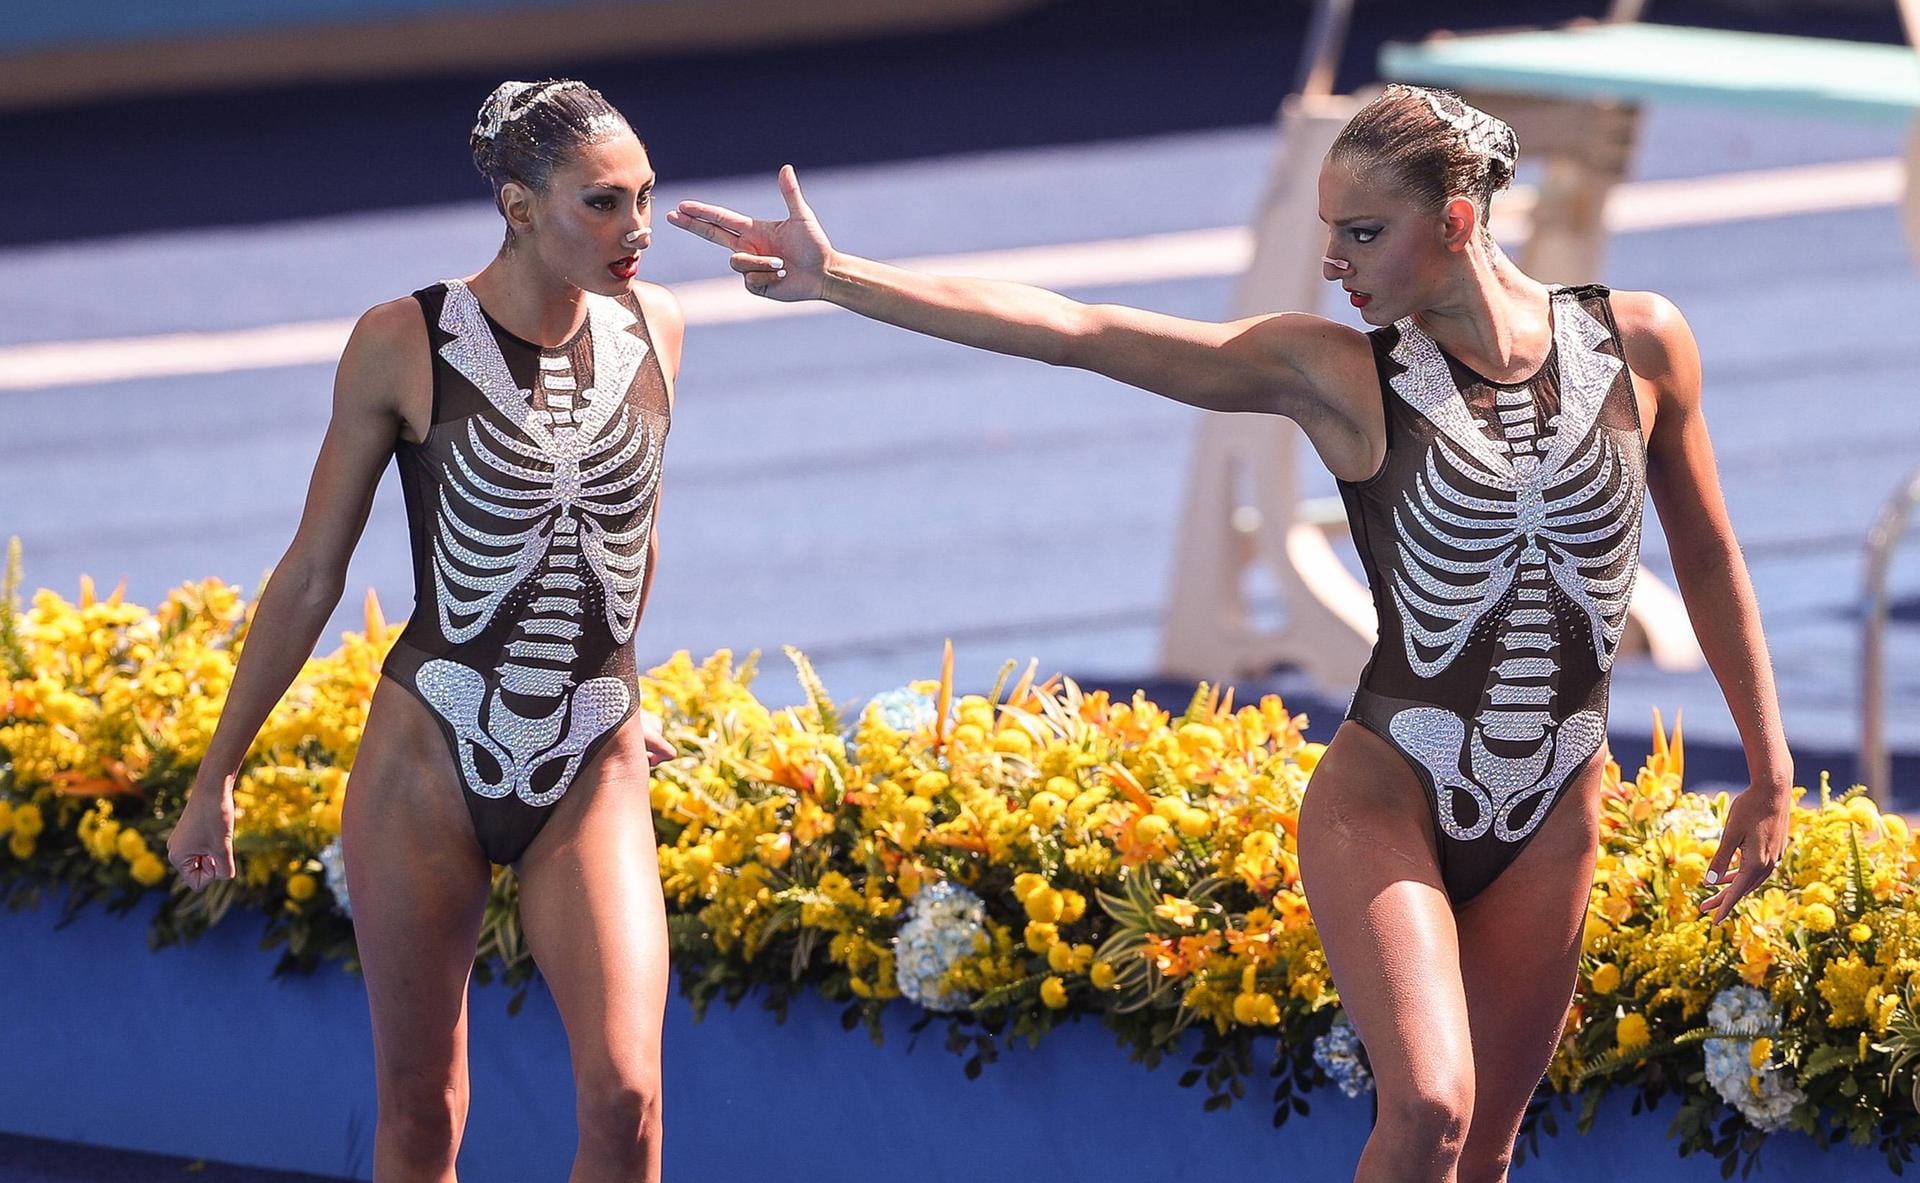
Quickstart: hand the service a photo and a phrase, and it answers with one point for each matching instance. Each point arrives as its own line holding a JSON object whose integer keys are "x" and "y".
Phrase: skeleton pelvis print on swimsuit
{"x": 1527, "y": 541}
{"x": 546, "y": 516}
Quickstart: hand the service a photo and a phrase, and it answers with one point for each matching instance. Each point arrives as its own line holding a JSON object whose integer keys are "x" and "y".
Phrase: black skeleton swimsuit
{"x": 530, "y": 506}
{"x": 1501, "y": 538}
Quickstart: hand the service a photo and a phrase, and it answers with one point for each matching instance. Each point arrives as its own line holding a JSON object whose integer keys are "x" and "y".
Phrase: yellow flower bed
{"x": 1092, "y": 856}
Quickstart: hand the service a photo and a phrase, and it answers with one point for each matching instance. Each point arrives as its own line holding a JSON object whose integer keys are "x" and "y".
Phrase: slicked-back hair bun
{"x": 1432, "y": 144}
{"x": 526, "y": 130}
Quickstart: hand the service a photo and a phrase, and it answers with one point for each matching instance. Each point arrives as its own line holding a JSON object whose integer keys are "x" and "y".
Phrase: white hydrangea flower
{"x": 1693, "y": 817}
{"x": 904, "y": 710}
{"x": 942, "y": 923}
{"x": 333, "y": 859}
{"x": 1764, "y": 1096}
{"x": 1338, "y": 1054}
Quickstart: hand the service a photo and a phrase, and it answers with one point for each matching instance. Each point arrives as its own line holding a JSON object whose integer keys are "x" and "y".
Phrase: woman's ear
{"x": 516, "y": 202}
{"x": 1460, "y": 222}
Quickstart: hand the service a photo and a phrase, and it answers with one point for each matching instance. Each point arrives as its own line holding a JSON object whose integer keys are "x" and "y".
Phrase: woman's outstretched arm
{"x": 1713, "y": 580}
{"x": 1290, "y": 363}
{"x": 385, "y": 355}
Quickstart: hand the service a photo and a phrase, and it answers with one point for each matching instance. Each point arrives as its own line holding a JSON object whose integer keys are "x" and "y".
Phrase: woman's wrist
{"x": 1771, "y": 770}
{"x": 837, "y": 281}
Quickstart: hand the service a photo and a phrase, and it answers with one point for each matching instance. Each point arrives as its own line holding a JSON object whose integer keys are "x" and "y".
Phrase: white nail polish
{"x": 1713, "y": 876}
{"x": 781, "y": 274}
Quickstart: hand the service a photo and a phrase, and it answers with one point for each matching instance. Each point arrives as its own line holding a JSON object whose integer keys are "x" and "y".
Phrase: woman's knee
{"x": 620, "y": 1109}
{"x": 424, "y": 1110}
{"x": 1434, "y": 1112}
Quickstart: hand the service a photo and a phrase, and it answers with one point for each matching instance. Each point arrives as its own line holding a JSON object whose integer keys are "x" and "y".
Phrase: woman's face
{"x": 580, "y": 224}
{"x": 1397, "y": 251}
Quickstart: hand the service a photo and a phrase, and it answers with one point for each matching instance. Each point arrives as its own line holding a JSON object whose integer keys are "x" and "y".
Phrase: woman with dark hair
{"x": 527, "y": 407}
{"x": 1493, "y": 438}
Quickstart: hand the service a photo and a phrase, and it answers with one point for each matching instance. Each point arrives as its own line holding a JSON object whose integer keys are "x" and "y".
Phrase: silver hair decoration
{"x": 495, "y": 113}
{"x": 1480, "y": 130}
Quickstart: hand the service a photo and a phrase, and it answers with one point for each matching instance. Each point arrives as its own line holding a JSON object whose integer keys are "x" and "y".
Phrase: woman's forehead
{"x": 619, "y": 159}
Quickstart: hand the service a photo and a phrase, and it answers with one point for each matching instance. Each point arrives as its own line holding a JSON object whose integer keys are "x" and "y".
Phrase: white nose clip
{"x": 633, "y": 236}
{"x": 1336, "y": 264}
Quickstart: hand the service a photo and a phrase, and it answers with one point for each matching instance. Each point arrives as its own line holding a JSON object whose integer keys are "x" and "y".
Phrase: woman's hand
{"x": 659, "y": 751}
{"x": 201, "y": 845}
{"x": 783, "y": 260}
{"x": 1757, "y": 825}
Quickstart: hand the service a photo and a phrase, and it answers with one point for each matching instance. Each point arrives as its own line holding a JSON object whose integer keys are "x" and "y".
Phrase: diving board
{"x": 1645, "y": 63}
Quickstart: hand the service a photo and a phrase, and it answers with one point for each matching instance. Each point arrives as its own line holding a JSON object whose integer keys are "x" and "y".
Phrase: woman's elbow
{"x": 316, "y": 586}
{"x": 1070, "y": 337}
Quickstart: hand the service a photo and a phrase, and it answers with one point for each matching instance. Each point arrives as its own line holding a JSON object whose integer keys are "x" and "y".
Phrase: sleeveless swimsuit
{"x": 530, "y": 506}
{"x": 1501, "y": 538}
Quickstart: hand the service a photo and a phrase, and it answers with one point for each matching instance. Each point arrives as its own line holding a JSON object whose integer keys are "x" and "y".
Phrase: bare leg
{"x": 1520, "y": 958}
{"x": 1369, "y": 863}
{"x": 418, "y": 883}
{"x": 591, "y": 905}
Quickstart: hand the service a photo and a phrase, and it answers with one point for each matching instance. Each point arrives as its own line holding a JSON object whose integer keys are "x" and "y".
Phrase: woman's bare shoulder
{"x": 386, "y": 368}
{"x": 1656, "y": 336}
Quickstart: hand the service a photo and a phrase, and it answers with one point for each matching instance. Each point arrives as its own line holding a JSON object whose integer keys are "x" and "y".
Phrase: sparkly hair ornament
{"x": 1484, "y": 135}
{"x": 498, "y": 110}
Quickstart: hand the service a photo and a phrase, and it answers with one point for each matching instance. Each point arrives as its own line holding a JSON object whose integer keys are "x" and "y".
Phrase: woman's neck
{"x": 1499, "y": 321}
{"x": 528, "y": 301}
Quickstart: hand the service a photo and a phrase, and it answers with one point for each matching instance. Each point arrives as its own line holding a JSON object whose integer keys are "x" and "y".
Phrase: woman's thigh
{"x": 1369, "y": 864}
{"x": 595, "y": 920}
{"x": 1520, "y": 942}
{"x": 418, "y": 885}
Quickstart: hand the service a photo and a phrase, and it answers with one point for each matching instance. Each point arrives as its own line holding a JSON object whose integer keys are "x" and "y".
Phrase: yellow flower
{"x": 1818, "y": 917}
{"x": 1180, "y": 911}
{"x": 1860, "y": 934}
{"x": 1256, "y": 1010}
{"x": 1846, "y": 985}
{"x": 1200, "y": 737}
{"x": 930, "y": 784}
{"x": 27, "y": 821}
{"x": 859, "y": 988}
{"x": 1632, "y": 1032}
{"x": 1761, "y": 1050}
{"x": 1073, "y": 906}
{"x": 1013, "y": 741}
{"x": 148, "y": 869}
{"x": 1606, "y": 979}
{"x": 1064, "y": 958}
{"x": 1102, "y": 975}
{"x": 129, "y": 845}
{"x": 1045, "y": 904}
{"x": 1026, "y": 883}
{"x": 21, "y": 845}
{"x": 1053, "y": 992}
{"x": 1195, "y": 823}
{"x": 6, "y": 816}
{"x": 1861, "y": 811}
{"x": 1308, "y": 757}
{"x": 1041, "y": 936}
{"x": 1045, "y": 807}
{"x": 301, "y": 886}
{"x": 1151, "y": 828}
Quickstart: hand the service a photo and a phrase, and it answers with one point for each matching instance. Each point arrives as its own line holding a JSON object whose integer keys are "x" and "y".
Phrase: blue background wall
{"x": 195, "y": 1051}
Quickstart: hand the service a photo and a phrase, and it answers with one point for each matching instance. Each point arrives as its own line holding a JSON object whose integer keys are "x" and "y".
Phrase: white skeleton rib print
{"x": 1489, "y": 531}
{"x": 529, "y": 498}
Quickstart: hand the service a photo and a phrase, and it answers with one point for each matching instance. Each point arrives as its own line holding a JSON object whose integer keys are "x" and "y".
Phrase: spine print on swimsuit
{"x": 1489, "y": 532}
{"x": 529, "y": 499}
